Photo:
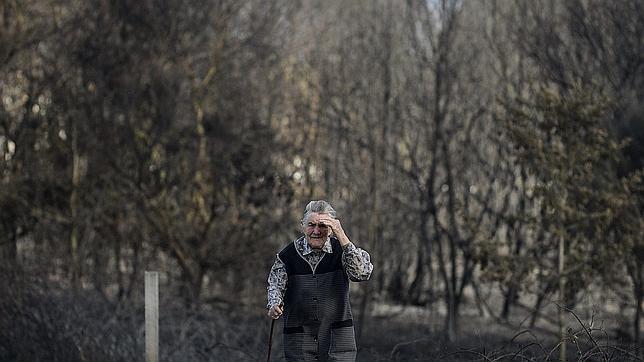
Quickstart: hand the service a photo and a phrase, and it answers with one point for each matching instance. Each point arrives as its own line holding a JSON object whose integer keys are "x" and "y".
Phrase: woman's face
{"x": 316, "y": 232}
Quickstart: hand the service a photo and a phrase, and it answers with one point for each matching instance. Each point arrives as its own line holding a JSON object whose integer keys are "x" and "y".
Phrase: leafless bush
{"x": 48, "y": 322}
{"x": 188, "y": 334}
{"x": 42, "y": 323}
{"x": 587, "y": 341}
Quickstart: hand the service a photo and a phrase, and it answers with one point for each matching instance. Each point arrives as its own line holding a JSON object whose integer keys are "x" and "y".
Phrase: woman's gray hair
{"x": 318, "y": 207}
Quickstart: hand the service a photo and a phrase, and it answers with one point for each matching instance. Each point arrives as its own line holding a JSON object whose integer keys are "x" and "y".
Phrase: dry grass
{"x": 40, "y": 322}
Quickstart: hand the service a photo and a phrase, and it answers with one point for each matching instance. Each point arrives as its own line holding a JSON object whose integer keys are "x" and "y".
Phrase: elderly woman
{"x": 309, "y": 285}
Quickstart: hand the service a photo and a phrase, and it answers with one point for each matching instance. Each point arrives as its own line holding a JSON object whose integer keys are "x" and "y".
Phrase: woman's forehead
{"x": 313, "y": 217}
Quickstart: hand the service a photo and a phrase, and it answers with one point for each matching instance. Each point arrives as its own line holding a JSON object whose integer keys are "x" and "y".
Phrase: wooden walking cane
{"x": 270, "y": 337}
{"x": 270, "y": 341}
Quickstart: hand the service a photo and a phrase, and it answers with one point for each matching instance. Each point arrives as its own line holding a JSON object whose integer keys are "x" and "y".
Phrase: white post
{"x": 151, "y": 316}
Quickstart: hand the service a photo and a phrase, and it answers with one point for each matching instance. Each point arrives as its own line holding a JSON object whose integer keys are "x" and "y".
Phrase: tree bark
{"x": 8, "y": 246}
{"x": 73, "y": 206}
{"x": 637, "y": 275}
{"x": 562, "y": 299}
{"x": 509, "y": 299}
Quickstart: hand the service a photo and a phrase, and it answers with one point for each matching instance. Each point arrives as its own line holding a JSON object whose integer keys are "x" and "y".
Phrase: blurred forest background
{"x": 467, "y": 145}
